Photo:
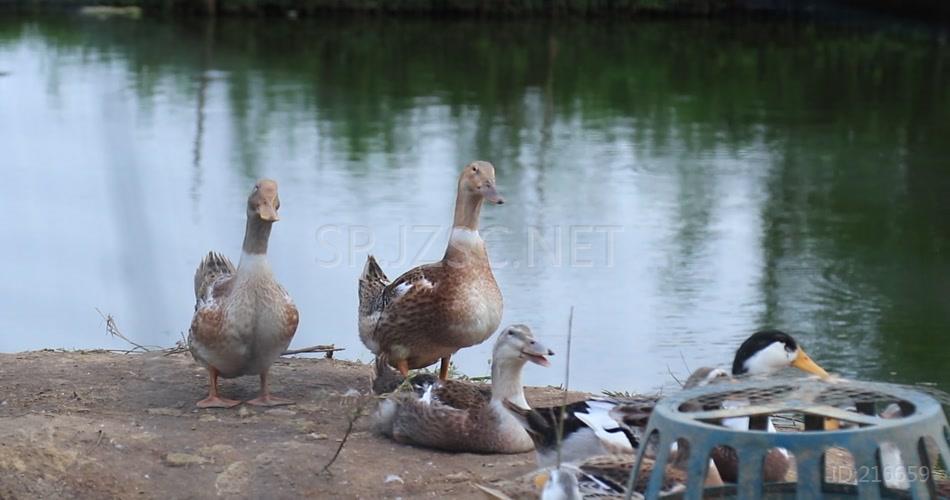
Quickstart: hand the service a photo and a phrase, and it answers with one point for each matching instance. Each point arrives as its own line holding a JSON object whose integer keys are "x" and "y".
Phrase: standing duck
{"x": 433, "y": 310}
{"x": 459, "y": 416}
{"x": 243, "y": 318}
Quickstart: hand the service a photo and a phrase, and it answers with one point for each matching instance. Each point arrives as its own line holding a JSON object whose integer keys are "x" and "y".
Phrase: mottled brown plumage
{"x": 456, "y": 416}
{"x": 243, "y": 318}
{"x": 433, "y": 310}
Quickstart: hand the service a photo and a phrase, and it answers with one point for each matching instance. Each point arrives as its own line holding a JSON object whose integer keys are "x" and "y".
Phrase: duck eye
{"x": 510, "y": 332}
{"x": 474, "y": 169}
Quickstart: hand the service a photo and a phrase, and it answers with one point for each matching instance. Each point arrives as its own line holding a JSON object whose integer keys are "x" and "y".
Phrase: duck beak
{"x": 804, "y": 363}
{"x": 268, "y": 212}
{"x": 540, "y": 480}
{"x": 491, "y": 194}
{"x": 536, "y": 352}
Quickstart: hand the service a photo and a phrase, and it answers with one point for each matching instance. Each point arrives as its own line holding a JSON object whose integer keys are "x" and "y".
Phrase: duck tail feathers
{"x": 372, "y": 283}
{"x": 212, "y": 267}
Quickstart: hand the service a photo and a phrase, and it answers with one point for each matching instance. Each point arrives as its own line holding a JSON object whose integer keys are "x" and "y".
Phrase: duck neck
{"x": 468, "y": 206}
{"x": 256, "y": 235}
{"x": 464, "y": 241}
{"x": 506, "y": 381}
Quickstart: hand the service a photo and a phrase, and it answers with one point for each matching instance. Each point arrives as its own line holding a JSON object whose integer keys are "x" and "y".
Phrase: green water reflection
{"x": 749, "y": 174}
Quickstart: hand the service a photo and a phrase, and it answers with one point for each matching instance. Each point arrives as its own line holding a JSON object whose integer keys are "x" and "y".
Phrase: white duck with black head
{"x": 763, "y": 353}
{"x": 769, "y": 351}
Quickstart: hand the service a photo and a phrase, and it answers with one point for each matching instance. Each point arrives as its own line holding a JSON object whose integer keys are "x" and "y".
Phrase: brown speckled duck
{"x": 433, "y": 310}
{"x": 243, "y": 318}
{"x": 459, "y": 416}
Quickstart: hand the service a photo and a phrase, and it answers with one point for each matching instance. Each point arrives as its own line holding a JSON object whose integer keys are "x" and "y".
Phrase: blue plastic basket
{"x": 692, "y": 418}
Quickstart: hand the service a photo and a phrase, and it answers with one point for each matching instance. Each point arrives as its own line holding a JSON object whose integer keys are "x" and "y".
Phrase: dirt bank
{"x": 97, "y": 424}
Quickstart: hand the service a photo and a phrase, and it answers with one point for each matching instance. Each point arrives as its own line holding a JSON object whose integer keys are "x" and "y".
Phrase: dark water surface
{"x": 680, "y": 183}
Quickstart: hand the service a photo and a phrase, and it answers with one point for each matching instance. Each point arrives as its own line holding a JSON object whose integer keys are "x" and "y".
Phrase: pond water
{"x": 680, "y": 184}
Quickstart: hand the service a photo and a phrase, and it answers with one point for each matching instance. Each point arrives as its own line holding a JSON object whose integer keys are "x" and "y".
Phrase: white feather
{"x": 892, "y": 467}
{"x": 464, "y": 236}
{"x": 599, "y": 421}
{"x": 577, "y": 446}
{"x": 427, "y": 395}
{"x": 768, "y": 360}
{"x": 402, "y": 288}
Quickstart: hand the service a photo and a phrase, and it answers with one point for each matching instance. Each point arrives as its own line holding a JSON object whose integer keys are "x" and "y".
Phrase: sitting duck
{"x": 763, "y": 353}
{"x": 459, "y": 416}
{"x": 243, "y": 318}
{"x": 433, "y": 310}
{"x": 610, "y": 425}
{"x": 595, "y": 426}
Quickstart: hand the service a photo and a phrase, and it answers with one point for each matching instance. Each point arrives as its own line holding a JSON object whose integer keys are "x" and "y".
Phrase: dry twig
{"x": 567, "y": 378}
{"x": 113, "y": 329}
{"x": 357, "y": 413}
{"x": 328, "y": 349}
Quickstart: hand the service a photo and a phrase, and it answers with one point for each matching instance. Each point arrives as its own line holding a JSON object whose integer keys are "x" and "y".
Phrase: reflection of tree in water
{"x": 852, "y": 121}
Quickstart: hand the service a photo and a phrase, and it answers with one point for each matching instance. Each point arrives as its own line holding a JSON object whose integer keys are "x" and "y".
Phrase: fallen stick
{"x": 357, "y": 413}
{"x": 328, "y": 349}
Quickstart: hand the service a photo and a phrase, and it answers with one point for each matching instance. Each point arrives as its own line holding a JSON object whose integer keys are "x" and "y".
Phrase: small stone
{"x": 167, "y": 412}
{"x": 317, "y": 437}
{"x": 458, "y": 477}
{"x": 281, "y": 412}
{"x": 207, "y": 417}
{"x": 392, "y": 478}
{"x": 233, "y": 480}
{"x": 184, "y": 459}
{"x": 304, "y": 426}
{"x": 351, "y": 393}
{"x": 244, "y": 412}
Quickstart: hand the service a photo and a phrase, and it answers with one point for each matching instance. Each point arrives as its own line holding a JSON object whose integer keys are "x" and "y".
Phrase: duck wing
{"x": 376, "y": 292}
{"x": 214, "y": 271}
{"x": 213, "y": 280}
{"x": 428, "y": 422}
{"x": 542, "y": 423}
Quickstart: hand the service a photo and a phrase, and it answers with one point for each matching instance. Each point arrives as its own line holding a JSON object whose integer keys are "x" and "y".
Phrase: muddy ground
{"x": 105, "y": 425}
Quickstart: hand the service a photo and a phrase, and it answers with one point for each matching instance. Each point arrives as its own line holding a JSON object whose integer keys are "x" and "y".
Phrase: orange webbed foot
{"x": 217, "y": 402}
{"x": 268, "y": 400}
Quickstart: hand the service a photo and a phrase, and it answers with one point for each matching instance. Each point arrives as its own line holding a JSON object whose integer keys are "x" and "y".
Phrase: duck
{"x": 598, "y": 425}
{"x": 602, "y": 425}
{"x": 244, "y": 319}
{"x": 433, "y": 310}
{"x": 601, "y": 477}
{"x": 458, "y": 416}
{"x": 763, "y": 353}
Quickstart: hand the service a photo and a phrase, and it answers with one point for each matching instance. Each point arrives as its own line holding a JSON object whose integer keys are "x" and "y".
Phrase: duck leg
{"x": 403, "y": 366}
{"x": 265, "y": 398}
{"x": 444, "y": 368}
{"x": 213, "y": 400}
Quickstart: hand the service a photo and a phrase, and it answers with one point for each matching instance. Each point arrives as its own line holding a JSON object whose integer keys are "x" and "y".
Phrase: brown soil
{"x": 104, "y": 425}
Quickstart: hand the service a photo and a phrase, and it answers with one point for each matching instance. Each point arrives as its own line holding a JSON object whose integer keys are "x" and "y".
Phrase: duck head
{"x": 262, "y": 207}
{"x": 478, "y": 180}
{"x": 476, "y": 184}
{"x": 517, "y": 342}
{"x": 769, "y": 351}
{"x": 557, "y": 484}
{"x": 263, "y": 202}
